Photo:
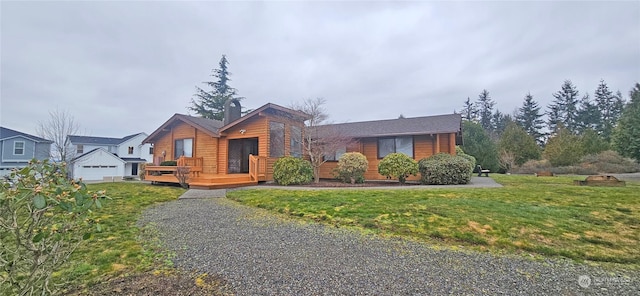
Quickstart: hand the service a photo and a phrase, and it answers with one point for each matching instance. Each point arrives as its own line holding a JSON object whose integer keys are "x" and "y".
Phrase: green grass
{"x": 545, "y": 216}
{"x": 121, "y": 248}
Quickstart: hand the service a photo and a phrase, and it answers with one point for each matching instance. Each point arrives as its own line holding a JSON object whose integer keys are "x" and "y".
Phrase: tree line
{"x": 570, "y": 127}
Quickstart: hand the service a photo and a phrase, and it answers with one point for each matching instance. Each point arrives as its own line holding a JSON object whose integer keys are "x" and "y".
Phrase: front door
{"x": 239, "y": 151}
{"x": 134, "y": 169}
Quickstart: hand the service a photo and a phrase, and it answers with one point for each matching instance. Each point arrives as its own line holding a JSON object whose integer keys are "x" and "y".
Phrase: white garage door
{"x": 97, "y": 172}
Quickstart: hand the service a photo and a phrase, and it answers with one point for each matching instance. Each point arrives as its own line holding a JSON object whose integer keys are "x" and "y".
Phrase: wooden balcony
{"x": 190, "y": 168}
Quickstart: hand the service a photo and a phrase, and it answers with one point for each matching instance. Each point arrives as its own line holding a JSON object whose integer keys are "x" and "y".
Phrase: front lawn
{"x": 118, "y": 249}
{"x": 540, "y": 215}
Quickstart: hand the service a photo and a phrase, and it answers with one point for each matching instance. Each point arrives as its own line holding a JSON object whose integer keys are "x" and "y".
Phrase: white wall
{"x": 98, "y": 165}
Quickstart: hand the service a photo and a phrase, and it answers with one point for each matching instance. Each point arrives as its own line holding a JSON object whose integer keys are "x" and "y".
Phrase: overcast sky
{"x": 126, "y": 67}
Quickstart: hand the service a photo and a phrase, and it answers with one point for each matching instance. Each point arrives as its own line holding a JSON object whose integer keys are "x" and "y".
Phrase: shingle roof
{"x": 99, "y": 140}
{"x": 211, "y": 125}
{"x": 8, "y": 133}
{"x": 449, "y": 123}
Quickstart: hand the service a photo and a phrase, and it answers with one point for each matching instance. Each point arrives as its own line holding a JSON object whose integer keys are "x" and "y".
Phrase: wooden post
{"x": 452, "y": 144}
{"x": 437, "y": 143}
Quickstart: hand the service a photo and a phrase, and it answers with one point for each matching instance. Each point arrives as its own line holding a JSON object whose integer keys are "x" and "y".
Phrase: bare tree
{"x": 319, "y": 140}
{"x": 507, "y": 160}
{"x": 57, "y": 128}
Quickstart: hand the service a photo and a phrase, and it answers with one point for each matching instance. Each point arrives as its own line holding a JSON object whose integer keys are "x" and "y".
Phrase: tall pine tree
{"x": 529, "y": 118}
{"x": 485, "y": 110}
{"x": 566, "y": 106}
{"x": 469, "y": 111}
{"x": 609, "y": 108}
{"x": 626, "y": 137}
{"x": 210, "y": 104}
{"x": 588, "y": 115}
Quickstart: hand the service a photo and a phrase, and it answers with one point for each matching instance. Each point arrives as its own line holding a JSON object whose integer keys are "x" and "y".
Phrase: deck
{"x": 189, "y": 170}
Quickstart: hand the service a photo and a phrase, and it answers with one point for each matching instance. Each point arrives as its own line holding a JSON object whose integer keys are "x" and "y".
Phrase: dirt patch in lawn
{"x": 160, "y": 284}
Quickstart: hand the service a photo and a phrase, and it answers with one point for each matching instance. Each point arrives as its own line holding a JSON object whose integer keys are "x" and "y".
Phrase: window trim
{"x": 395, "y": 149}
{"x": 80, "y": 148}
{"x": 130, "y": 150}
{"x": 14, "y": 147}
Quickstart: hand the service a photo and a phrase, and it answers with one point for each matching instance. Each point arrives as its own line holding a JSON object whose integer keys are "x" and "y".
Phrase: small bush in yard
{"x": 398, "y": 166}
{"x": 44, "y": 216}
{"x": 351, "y": 167}
{"x": 445, "y": 169}
{"x": 291, "y": 170}
{"x": 169, "y": 163}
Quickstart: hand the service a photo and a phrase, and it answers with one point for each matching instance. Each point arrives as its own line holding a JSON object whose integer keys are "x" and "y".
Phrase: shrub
{"x": 169, "y": 163}
{"x": 291, "y": 170}
{"x": 533, "y": 166}
{"x": 351, "y": 167}
{"x": 445, "y": 169}
{"x": 470, "y": 158}
{"x": 610, "y": 162}
{"x": 43, "y": 218}
{"x": 398, "y": 166}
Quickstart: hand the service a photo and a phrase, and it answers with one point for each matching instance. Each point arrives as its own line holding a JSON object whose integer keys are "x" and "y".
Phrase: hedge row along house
{"x": 241, "y": 150}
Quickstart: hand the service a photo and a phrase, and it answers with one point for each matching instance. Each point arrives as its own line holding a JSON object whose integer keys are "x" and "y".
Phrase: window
{"x": 402, "y": 145}
{"x": 130, "y": 149}
{"x": 18, "y": 148}
{"x": 336, "y": 156}
{"x": 80, "y": 148}
{"x": 276, "y": 139}
{"x": 296, "y": 141}
{"x": 183, "y": 147}
{"x": 151, "y": 150}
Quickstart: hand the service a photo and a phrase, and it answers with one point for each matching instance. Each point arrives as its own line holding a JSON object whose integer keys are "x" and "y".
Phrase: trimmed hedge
{"x": 445, "y": 169}
{"x": 351, "y": 167}
{"x": 291, "y": 170}
{"x": 169, "y": 163}
{"x": 398, "y": 166}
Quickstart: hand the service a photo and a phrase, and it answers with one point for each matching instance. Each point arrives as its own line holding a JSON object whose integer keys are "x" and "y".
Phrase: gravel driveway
{"x": 259, "y": 254}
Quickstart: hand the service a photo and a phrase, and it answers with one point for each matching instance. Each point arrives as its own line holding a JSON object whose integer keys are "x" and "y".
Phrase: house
{"x": 241, "y": 151}
{"x": 17, "y": 148}
{"x": 102, "y": 158}
{"x": 237, "y": 151}
{"x": 417, "y": 137}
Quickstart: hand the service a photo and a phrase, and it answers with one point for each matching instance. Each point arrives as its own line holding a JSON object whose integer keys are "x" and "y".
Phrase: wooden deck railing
{"x": 168, "y": 173}
{"x": 257, "y": 168}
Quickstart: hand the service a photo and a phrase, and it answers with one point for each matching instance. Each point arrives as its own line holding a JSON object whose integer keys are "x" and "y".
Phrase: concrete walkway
{"x": 476, "y": 182}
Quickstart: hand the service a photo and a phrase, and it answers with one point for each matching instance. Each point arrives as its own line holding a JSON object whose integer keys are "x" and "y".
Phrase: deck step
{"x": 221, "y": 185}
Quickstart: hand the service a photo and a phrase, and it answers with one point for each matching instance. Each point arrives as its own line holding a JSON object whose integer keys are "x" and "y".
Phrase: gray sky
{"x": 126, "y": 67}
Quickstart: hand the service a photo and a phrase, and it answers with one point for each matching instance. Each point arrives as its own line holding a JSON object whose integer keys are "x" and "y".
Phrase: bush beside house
{"x": 291, "y": 170}
{"x": 398, "y": 166}
{"x": 445, "y": 169}
{"x": 351, "y": 167}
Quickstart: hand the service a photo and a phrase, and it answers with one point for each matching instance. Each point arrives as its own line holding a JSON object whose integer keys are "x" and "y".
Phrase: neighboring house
{"x": 218, "y": 152}
{"x": 417, "y": 137}
{"x": 102, "y": 158}
{"x": 241, "y": 150}
{"x": 17, "y": 148}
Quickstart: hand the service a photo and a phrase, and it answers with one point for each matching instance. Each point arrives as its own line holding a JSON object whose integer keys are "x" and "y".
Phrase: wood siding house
{"x": 418, "y": 137}
{"x": 237, "y": 151}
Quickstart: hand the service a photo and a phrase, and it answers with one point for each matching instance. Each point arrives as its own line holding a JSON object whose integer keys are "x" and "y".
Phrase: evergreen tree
{"x": 499, "y": 122}
{"x": 485, "y": 110}
{"x": 210, "y": 104}
{"x": 478, "y": 144}
{"x": 469, "y": 111}
{"x": 592, "y": 143}
{"x": 588, "y": 115}
{"x": 516, "y": 141}
{"x": 626, "y": 137}
{"x": 566, "y": 106}
{"x": 529, "y": 118}
{"x": 563, "y": 148}
{"x": 609, "y": 107}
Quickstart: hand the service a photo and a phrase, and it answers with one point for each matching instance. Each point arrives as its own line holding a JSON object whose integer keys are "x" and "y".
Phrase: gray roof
{"x": 210, "y": 125}
{"x": 9, "y": 133}
{"x": 448, "y": 123}
{"x": 99, "y": 140}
